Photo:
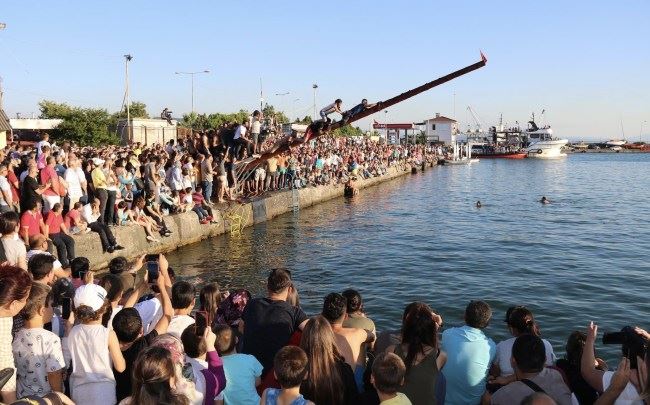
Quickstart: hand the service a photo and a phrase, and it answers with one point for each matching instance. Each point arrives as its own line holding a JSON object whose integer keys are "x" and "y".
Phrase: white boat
{"x": 616, "y": 142}
{"x": 541, "y": 142}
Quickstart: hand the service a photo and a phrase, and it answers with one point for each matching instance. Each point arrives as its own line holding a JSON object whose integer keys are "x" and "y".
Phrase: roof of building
{"x": 441, "y": 118}
{"x": 4, "y": 122}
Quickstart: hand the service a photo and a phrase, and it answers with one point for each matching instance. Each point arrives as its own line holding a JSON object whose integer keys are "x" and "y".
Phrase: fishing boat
{"x": 500, "y": 142}
{"x": 541, "y": 142}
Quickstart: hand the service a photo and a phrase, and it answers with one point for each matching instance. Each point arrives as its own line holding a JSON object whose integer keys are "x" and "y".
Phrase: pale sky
{"x": 586, "y": 63}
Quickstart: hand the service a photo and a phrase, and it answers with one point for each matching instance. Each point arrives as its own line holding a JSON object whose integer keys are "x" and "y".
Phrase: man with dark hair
{"x": 469, "y": 355}
{"x": 183, "y": 300}
{"x": 268, "y": 323}
{"x": 528, "y": 358}
{"x": 41, "y": 266}
{"x": 356, "y": 318}
{"x": 351, "y": 342}
{"x": 79, "y": 267}
{"x": 128, "y": 328}
{"x": 120, "y": 266}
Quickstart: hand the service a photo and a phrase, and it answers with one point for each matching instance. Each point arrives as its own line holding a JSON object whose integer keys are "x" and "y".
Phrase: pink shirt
{"x": 49, "y": 173}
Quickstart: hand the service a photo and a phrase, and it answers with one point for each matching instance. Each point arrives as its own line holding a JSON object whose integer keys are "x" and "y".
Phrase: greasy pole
{"x": 286, "y": 143}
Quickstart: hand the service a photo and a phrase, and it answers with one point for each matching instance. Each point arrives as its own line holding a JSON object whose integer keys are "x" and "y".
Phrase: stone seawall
{"x": 186, "y": 228}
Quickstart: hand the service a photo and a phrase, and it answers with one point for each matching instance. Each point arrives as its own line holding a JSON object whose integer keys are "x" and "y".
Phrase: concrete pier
{"x": 186, "y": 228}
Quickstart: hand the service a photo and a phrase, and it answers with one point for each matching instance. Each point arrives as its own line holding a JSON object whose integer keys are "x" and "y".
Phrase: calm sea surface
{"x": 584, "y": 257}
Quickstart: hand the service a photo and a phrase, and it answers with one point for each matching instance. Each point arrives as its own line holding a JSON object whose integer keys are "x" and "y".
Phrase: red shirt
{"x": 11, "y": 176}
{"x": 49, "y": 173}
{"x": 72, "y": 218}
{"x": 54, "y": 222}
{"x": 32, "y": 222}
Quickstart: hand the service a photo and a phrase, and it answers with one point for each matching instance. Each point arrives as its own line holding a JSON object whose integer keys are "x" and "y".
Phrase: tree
{"x": 307, "y": 120}
{"x": 269, "y": 112}
{"x": 203, "y": 122}
{"x": 347, "y": 130}
{"x": 86, "y": 126}
{"x": 137, "y": 109}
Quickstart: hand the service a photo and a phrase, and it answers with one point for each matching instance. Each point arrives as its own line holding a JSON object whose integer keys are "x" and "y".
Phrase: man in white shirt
{"x": 43, "y": 142}
{"x": 76, "y": 180}
{"x": 256, "y": 129}
{"x": 240, "y": 138}
{"x": 6, "y": 198}
{"x": 183, "y": 301}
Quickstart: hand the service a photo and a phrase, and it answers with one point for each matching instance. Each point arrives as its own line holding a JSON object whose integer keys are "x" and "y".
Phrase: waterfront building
{"x": 440, "y": 129}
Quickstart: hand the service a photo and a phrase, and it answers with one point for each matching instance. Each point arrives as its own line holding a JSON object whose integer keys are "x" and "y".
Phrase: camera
{"x": 633, "y": 344}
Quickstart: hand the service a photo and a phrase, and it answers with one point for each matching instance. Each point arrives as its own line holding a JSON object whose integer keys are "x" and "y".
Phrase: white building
{"x": 147, "y": 131}
{"x": 440, "y": 129}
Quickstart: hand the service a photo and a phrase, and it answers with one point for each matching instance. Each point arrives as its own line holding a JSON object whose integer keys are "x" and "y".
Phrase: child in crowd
{"x": 243, "y": 371}
{"x": 201, "y": 207}
{"x": 94, "y": 350}
{"x": 387, "y": 377}
{"x": 203, "y": 365}
{"x": 183, "y": 301}
{"x": 74, "y": 222}
{"x": 290, "y": 368}
{"x": 37, "y": 352}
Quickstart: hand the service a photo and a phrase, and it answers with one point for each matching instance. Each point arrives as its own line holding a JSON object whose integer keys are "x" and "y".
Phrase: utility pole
{"x": 192, "y": 74}
{"x": 2, "y": 26}
{"x": 128, "y": 59}
{"x": 314, "y": 86}
{"x": 261, "y": 97}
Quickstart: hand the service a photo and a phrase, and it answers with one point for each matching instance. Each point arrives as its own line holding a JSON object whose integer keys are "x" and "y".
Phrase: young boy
{"x": 183, "y": 300}
{"x": 243, "y": 371}
{"x": 203, "y": 366}
{"x": 290, "y": 369}
{"x": 387, "y": 377}
{"x": 37, "y": 352}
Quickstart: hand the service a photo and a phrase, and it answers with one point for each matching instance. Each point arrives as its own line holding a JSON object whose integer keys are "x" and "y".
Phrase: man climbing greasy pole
{"x": 320, "y": 127}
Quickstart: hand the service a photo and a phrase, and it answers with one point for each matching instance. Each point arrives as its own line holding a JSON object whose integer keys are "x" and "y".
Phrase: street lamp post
{"x": 314, "y": 86}
{"x": 128, "y": 58}
{"x": 192, "y": 75}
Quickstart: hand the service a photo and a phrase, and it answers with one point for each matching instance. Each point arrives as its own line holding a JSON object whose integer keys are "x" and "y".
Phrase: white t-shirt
{"x": 87, "y": 214}
{"x": 56, "y": 265}
{"x": 178, "y": 324}
{"x": 150, "y": 312}
{"x": 256, "y": 127}
{"x": 14, "y": 250}
{"x": 113, "y": 313}
{"x": 629, "y": 396}
{"x": 36, "y": 352}
{"x": 239, "y": 132}
{"x": 40, "y": 145}
{"x": 504, "y": 352}
{"x": 74, "y": 177}
{"x": 92, "y": 377}
{"x": 6, "y": 187}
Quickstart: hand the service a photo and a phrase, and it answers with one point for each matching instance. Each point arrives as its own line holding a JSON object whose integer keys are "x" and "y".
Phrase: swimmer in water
{"x": 478, "y": 204}
{"x": 545, "y": 200}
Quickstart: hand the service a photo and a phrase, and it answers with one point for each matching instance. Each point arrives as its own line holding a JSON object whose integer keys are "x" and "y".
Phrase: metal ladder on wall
{"x": 295, "y": 201}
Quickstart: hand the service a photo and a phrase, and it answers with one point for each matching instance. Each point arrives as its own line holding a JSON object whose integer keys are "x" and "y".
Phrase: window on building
{"x": 433, "y": 127}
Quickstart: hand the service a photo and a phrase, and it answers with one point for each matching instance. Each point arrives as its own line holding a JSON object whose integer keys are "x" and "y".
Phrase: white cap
{"x": 90, "y": 295}
{"x": 98, "y": 161}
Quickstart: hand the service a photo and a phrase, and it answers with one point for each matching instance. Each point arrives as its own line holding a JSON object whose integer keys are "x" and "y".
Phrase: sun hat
{"x": 90, "y": 295}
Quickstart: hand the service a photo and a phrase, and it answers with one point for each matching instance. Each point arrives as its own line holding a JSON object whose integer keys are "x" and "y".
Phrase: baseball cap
{"x": 90, "y": 295}
{"x": 98, "y": 161}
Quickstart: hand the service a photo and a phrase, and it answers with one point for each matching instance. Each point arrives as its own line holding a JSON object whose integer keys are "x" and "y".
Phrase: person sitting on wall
{"x": 166, "y": 114}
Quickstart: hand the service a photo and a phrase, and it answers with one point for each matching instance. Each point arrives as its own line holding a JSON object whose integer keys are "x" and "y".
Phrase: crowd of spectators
{"x": 139, "y": 336}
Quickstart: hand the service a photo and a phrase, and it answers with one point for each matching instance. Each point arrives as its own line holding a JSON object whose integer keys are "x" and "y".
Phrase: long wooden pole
{"x": 378, "y": 107}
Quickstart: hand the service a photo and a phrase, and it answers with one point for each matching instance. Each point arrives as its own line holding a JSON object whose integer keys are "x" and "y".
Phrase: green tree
{"x": 347, "y": 130}
{"x": 307, "y": 120}
{"x": 86, "y": 126}
{"x": 137, "y": 109}
{"x": 269, "y": 112}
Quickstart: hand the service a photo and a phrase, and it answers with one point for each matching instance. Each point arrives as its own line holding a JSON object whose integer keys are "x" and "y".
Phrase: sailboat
{"x": 612, "y": 143}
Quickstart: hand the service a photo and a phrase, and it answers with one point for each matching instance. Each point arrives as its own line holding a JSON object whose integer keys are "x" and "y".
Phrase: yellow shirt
{"x": 99, "y": 179}
{"x": 400, "y": 399}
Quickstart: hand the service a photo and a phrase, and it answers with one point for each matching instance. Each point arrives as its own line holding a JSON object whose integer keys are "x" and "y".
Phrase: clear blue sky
{"x": 587, "y": 63}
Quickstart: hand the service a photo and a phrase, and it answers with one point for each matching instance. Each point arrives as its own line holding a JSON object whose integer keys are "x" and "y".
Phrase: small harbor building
{"x": 147, "y": 131}
{"x": 440, "y": 129}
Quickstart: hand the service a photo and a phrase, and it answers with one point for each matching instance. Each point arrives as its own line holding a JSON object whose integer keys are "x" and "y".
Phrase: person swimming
{"x": 478, "y": 204}
{"x": 545, "y": 200}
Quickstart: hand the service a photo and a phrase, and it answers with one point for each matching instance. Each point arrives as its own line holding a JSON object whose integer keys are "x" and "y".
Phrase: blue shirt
{"x": 469, "y": 355}
{"x": 241, "y": 371}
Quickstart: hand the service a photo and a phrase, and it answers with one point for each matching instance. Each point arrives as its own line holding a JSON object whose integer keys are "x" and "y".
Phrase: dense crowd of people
{"x": 139, "y": 336}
